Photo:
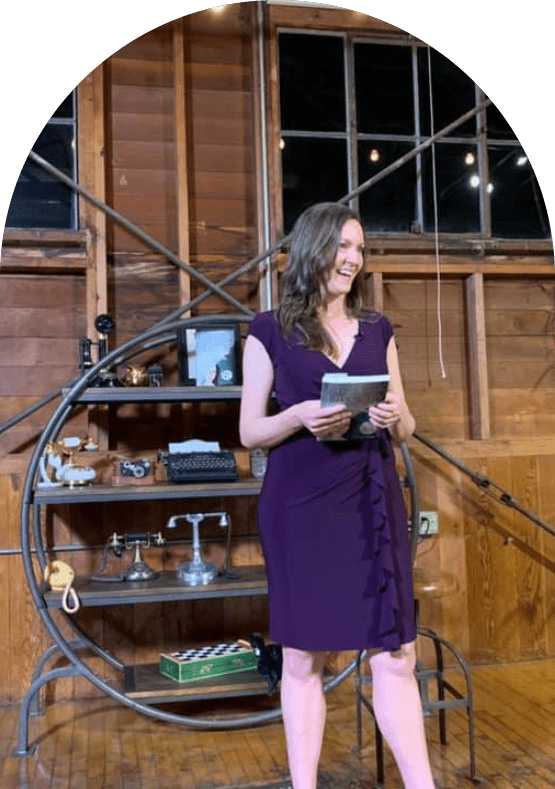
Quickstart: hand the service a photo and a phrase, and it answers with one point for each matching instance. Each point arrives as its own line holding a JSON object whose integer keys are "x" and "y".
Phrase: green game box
{"x": 206, "y": 662}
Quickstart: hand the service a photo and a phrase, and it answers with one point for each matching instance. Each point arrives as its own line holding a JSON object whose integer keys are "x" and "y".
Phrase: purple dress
{"x": 331, "y": 515}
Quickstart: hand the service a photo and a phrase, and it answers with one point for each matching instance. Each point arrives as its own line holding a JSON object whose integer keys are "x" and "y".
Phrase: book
{"x": 357, "y": 393}
{"x": 211, "y": 661}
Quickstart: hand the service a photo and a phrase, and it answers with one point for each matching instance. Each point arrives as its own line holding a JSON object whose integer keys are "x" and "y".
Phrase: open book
{"x": 357, "y": 393}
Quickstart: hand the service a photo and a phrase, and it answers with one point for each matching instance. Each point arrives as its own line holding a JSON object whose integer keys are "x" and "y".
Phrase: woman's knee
{"x": 400, "y": 663}
{"x": 301, "y": 665}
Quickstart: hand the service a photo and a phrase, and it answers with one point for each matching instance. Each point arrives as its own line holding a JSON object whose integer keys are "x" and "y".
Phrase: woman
{"x": 332, "y": 521}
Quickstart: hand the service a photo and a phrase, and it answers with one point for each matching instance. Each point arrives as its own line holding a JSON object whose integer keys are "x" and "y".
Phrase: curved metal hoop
{"x": 30, "y": 524}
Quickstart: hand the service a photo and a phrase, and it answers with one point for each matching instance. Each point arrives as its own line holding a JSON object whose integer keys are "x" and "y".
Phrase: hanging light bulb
{"x": 490, "y": 188}
{"x": 469, "y": 158}
{"x": 374, "y": 155}
{"x": 474, "y": 181}
{"x": 521, "y": 161}
{"x": 282, "y": 144}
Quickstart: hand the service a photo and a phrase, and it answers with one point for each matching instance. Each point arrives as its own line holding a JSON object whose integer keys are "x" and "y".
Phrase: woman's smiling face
{"x": 348, "y": 260}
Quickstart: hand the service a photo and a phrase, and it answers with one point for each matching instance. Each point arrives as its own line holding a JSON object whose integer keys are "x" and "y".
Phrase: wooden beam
{"x": 180, "y": 128}
{"x": 376, "y": 288}
{"x": 92, "y": 176}
{"x": 30, "y": 239}
{"x": 478, "y": 366}
{"x": 410, "y": 265}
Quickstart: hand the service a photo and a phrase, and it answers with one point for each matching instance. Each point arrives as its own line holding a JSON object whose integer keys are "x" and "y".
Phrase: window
{"x": 350, "y": 107}
{"x": 40, "y": 200}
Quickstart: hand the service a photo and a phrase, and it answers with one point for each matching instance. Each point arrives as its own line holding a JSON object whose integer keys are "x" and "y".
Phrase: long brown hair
{"x": 313, "y": 246}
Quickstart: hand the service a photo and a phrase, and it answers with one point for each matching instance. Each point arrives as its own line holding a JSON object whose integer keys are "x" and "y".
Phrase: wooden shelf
{"x": 145, "y": 683}
{"x": 165, "y": 587}
{"x": 156, "y": 394}
{"x": 102, "y": 493}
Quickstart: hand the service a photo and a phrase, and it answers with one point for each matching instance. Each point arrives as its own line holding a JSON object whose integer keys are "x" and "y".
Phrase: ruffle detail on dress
{"x": 382, "y": 582}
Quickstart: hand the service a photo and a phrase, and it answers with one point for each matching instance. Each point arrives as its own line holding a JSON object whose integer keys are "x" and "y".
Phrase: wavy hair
{"x": 313, "y": 246}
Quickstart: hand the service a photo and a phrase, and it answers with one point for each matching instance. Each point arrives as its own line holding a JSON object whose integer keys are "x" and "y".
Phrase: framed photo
{"x": 210, "y": 355}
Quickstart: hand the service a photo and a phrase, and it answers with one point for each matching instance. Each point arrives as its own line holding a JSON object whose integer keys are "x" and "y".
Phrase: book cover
{"x": 357, "y": 393}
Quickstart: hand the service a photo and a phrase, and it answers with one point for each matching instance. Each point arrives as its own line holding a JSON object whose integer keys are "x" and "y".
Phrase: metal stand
{"x": 197, "y": 572}
{"x": 430, "y": 707}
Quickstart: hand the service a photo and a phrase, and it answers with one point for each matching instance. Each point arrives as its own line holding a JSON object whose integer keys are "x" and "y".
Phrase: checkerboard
{"x": 210, "y": 661}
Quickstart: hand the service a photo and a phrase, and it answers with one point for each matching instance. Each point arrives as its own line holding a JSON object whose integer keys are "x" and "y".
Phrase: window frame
{"x": 71, "y": 122}
{"x": 353, "y": 136}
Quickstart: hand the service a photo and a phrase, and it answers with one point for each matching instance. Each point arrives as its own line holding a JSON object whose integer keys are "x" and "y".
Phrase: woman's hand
{"x": 322, "y": 422}
{"x": 387, "y": 413}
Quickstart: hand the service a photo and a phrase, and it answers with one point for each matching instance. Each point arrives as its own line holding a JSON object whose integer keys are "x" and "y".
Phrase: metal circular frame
{"x": 30, "y": 524}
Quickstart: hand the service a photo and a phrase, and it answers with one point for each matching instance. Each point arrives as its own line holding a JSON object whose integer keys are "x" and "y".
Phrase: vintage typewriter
{"x": 185, "y": 467}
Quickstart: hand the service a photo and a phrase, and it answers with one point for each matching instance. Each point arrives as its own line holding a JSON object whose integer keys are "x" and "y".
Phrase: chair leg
{"x": 439, "y": 643}
{"x": 440, "y": 690}
{"x": 380, "y": 761}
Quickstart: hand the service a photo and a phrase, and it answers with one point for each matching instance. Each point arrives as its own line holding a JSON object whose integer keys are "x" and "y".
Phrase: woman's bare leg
{"x": 304, "y": 713}
{"x": 398, "y": 711}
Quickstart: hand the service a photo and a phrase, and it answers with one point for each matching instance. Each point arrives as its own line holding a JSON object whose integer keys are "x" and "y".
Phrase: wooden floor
{"x": 102, "y": 745}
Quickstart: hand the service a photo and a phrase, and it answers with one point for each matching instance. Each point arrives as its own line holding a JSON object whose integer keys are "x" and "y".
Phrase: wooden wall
{"x": 189, "y": 179}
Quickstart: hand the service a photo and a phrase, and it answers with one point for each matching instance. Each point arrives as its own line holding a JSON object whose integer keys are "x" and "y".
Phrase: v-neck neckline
{"x": 351, "y": 349}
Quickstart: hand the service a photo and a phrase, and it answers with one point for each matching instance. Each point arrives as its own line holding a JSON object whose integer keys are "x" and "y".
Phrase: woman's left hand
{"x": 387, "y": 413}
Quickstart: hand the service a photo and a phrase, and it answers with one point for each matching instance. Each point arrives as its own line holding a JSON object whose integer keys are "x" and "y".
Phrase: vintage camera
{"x": 135, "y": 468}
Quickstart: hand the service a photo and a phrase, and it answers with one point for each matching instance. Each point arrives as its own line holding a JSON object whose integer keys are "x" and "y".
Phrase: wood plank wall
{"x": 503, "y": 609}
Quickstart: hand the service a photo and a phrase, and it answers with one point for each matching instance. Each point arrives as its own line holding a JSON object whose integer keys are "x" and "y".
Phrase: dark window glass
{"x": 457, "y": 189}
{"x": 498, "y": 128}
{"x": 453, "y": 94}
{"x": 65, "y": 110}
{"x": 384, "y": 93}
{"x": 39, "y": 199}
{"x": 517, "y": 206}
{"x": 312, "y": 83}
{"x": 389, "y": 206}
{"x": 314, "y": 170}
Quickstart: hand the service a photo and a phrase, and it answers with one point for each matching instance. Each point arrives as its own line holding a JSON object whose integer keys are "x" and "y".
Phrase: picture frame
{"x": 209, "y": 355}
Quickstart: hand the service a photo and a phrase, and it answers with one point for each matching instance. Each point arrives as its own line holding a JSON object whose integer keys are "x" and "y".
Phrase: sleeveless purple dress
{"x": 331, "y": 515}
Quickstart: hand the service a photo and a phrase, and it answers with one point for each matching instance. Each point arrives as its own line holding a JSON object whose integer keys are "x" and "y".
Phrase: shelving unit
{"x": 141, "y": 687}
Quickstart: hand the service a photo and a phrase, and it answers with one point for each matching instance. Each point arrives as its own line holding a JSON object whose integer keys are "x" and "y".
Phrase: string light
{"x": 374, "y": 155}
{"x": 469, "y": 158}
{"x": 474, "y": 181}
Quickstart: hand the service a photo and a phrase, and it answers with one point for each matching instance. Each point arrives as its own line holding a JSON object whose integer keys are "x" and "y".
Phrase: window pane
{"x": 39, "y": 200}
{"x": 314, "y": 170}
{"x": 65, "y": 110}
{"x": 498, "y": 127}
{"x": 453, "y": 94}
{"x": 390, "y": 205}
{"x": 384, "y": 94}
{"x": 312, "y": 83}
{"x": 458, "y": 194}
{"x": 517, "y": 206}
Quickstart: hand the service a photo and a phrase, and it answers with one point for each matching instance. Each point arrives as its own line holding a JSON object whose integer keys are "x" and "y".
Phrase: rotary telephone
{"x": 59, "y": 576}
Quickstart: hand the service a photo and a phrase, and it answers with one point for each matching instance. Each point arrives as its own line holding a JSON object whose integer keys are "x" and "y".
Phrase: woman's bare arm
{"x": 394, "y": 413}
{"x": 256, "y": 428}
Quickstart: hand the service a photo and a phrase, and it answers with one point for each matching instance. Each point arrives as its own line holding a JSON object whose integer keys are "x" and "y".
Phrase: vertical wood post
{"x": 182, "y": 188}
{"x": 376, "y": 290}
{"x": 92, "y": 176}
{"x": 479, "y": 400}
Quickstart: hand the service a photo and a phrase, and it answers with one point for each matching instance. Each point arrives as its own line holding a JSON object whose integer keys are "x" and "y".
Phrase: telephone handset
{"x": 59, "y": 576}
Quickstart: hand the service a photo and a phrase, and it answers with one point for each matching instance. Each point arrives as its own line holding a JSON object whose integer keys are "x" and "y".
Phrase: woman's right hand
{"x": 322, "y": 422}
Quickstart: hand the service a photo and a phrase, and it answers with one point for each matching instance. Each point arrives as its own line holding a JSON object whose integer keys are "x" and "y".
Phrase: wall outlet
{"x": 429, "y": 524}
